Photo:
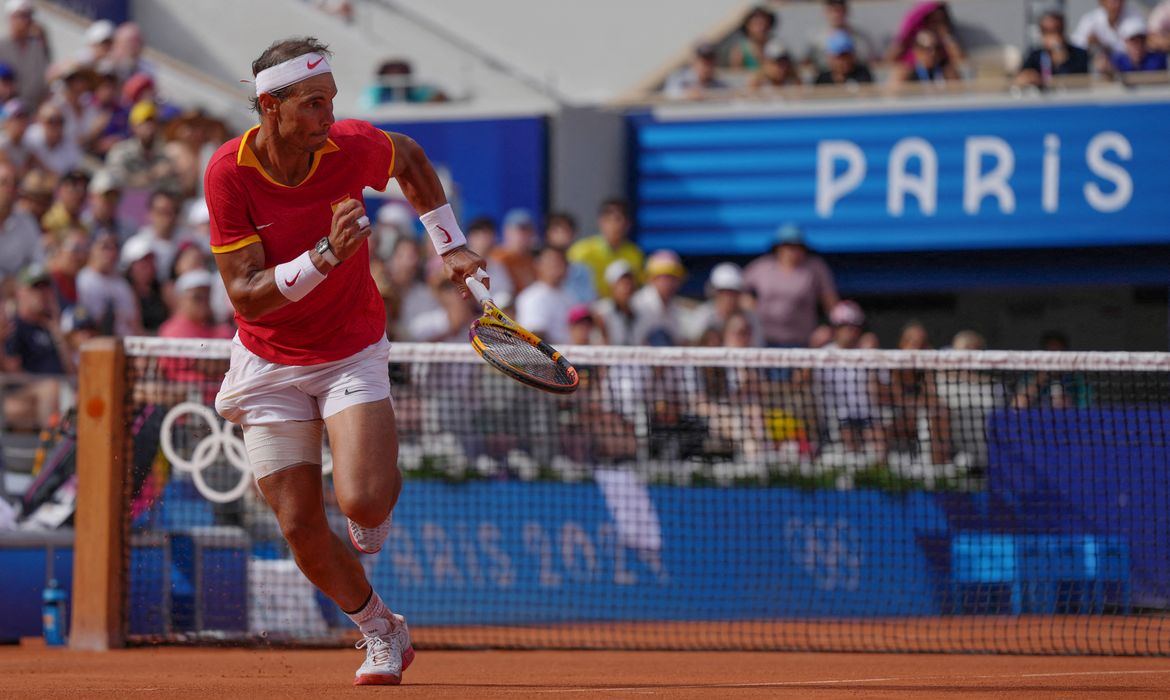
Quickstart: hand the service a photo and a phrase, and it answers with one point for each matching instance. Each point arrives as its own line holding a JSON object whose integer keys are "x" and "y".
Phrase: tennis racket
{"x": 516, "y": 352}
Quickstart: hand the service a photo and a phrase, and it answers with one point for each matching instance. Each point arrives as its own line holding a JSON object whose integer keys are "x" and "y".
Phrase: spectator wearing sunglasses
{"x": 1053, "y": 56}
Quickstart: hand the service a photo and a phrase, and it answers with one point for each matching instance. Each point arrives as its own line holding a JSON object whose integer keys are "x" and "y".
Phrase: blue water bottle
{"x": 53, "y": 614}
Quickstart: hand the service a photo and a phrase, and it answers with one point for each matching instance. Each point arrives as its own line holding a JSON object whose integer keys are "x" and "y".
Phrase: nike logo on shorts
{"x": 263, "y": 226}
{"x": 351, "y": 391}
{"x": 289, "y": 283}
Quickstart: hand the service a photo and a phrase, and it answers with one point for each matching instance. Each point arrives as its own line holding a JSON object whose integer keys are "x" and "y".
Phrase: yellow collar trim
{"x": 246, "y": 157}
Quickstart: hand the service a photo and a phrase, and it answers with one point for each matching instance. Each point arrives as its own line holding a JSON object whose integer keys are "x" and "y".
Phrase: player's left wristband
{"x": 443, "y": 229}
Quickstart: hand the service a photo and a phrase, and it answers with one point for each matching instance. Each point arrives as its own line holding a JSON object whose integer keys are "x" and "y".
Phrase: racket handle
{"x": 476, "y": 287}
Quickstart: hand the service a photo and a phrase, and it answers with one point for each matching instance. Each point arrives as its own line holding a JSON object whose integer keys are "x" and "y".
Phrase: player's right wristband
{"x": 443, "y": 229}
{"x": 297, "y": 277}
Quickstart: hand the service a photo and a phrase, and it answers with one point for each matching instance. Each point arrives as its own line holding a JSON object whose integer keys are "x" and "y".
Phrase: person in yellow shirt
{"x": 610, "y": 244}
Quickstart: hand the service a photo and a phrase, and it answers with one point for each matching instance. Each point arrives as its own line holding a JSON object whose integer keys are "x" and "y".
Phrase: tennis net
{"x": 693, "y": 498}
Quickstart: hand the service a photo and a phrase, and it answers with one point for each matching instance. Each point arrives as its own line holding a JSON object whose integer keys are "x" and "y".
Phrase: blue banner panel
{"x": 515, "y": 553}
{"x": 1045, "y": 482}
{"x": 928, "y": 180}
{"x": 495, "y": 164}
{"x": 117, "y": 11}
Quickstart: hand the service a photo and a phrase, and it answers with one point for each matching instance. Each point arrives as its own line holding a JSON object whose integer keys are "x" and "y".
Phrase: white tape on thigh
{"x": 276, "y": 446}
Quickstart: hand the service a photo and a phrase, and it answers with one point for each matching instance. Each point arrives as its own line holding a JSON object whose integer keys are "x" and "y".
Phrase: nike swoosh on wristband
{"x": 445, "y": 233}
{"x": 289, "y": 283}
{"x": 313, "y": 65}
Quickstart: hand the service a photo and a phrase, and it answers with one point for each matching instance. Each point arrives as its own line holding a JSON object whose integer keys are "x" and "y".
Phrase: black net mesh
{"x": 696, "y": 499}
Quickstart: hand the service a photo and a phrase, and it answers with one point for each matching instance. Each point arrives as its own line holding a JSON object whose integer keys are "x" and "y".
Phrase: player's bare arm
{"x": 422, "y": 189}
{"x": 252, "y": 286}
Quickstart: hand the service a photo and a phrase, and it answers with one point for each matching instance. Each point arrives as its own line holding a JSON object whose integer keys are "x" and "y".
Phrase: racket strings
{"x": 518, "y": 353}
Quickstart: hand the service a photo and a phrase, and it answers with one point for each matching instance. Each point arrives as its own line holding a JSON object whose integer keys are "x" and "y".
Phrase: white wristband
{"x": 443, "y": 229}
{"x": 297, "y": 277}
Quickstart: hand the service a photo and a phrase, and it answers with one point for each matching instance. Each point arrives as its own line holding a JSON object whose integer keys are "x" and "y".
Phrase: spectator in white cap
{"x": 26, "y": 51}
{"x": 101, "y": 216}
{"x": 727, "y": 297}
{"x": 1137, "y": 56}
{"x": 198, "y": 224}
{"x": 140, "y": 264}
{"x": 789, "y": 283}
{"x": 106, "y": 295}
{"x": 192, "y": 316}
{"x": 616, "y": 311}
{"x": 395, "y": 220}
{"x": 662, "y": 319}
{"x": 99, "y": 39}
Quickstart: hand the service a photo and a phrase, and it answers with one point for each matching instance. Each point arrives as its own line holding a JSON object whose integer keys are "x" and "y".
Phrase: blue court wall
{"x": 515, "y": 553}
{"x": 496, "y": 164}
{"x": 1035, "y": 175}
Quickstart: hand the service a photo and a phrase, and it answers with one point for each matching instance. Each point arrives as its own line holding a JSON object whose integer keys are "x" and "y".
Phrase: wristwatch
{"x": 326, "y": 251}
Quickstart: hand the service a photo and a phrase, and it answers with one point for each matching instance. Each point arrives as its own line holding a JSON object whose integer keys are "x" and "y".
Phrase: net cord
{"x": 616, "y": 356}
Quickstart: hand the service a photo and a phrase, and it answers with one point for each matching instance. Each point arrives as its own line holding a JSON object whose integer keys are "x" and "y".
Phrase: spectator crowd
{"x": 103, "y": 229}
{"x": 1112, "y": 41}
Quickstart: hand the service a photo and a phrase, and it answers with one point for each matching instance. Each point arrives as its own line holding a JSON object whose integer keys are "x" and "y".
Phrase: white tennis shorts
{"x": 258, "y": 392}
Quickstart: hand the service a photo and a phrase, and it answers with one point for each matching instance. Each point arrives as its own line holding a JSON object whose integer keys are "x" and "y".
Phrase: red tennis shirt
{"x": 345, "y": 313}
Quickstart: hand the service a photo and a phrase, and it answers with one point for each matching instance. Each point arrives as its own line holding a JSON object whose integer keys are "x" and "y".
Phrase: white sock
{"x": 372, "y": 618}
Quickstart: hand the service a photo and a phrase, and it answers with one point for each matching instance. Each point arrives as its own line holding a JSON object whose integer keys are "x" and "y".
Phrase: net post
{"x": 99, "y": 574}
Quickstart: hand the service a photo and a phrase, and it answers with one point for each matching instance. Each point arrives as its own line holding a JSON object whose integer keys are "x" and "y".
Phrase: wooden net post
{"x": 99, "y": 555}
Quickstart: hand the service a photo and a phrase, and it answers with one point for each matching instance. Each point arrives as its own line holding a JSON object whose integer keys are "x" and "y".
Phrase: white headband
{"x": 291, "y": 71}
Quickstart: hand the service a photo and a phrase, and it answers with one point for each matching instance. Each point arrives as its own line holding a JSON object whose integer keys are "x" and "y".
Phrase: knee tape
{"x": 275, "y": 446}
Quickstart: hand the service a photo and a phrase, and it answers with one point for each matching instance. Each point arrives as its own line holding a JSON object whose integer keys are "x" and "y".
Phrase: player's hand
{"x": 346, "y": 234}
{"x": 461, "y": 263}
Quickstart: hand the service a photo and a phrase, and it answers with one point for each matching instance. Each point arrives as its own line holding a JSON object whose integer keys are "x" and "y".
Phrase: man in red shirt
{"x": 289, "y": 232}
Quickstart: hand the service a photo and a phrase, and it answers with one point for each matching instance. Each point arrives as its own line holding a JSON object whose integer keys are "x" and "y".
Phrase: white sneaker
{"x": 368, "y": 540}
{"x": 388, "y": 652}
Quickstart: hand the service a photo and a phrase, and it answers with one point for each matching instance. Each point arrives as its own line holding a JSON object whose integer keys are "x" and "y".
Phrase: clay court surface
{"x": 220, "y": 674}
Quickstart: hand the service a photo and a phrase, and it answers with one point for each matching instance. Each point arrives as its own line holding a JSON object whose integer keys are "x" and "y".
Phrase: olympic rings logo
{"x": 219, "y": 444}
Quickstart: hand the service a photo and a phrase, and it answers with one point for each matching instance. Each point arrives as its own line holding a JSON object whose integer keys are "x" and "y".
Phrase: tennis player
{"x": 289, "y": 233}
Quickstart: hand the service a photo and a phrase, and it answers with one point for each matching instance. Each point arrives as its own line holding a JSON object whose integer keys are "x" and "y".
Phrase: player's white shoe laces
{"x": 388, "y": 652}
{"x": 369, "y": 540}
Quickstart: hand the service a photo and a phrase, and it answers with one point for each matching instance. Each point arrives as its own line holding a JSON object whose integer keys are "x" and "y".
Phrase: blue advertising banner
{"x": 494, "y": 164}
{"x": 1029, "y": 176}
{"x": 117, "y": 11}
{"x": 515, "y": 553}
{"x": 1043, "y": 482}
